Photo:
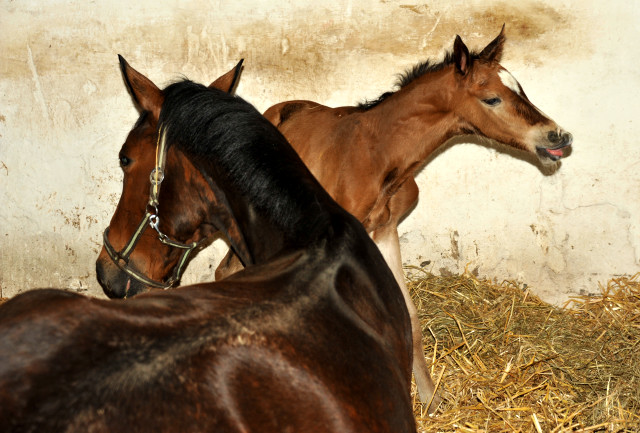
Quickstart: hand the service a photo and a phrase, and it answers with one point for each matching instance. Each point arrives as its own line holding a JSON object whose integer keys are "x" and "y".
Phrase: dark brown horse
{"x": 313, "y": 336}
{"x": 366, "y": 157}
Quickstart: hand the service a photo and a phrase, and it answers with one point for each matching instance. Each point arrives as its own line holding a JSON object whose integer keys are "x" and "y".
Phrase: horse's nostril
{"x": 567, "y": 138}
{"x": 110, "y": 279}
{"x": 560, "y": 138}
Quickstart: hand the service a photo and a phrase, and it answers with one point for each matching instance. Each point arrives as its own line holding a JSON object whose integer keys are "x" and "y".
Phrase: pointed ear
{"x": 229, "y": 81}
{"x": 144, "y": 92}
{"x": 493, "y": 51}
{"x": 461, "y": 56}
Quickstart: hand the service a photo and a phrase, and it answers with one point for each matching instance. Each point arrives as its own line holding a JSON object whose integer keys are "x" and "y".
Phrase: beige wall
{"x": 64, "y": 113}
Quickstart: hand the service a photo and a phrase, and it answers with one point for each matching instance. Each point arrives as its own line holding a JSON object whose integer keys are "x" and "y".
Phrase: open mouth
{"x": 553, "y": 153}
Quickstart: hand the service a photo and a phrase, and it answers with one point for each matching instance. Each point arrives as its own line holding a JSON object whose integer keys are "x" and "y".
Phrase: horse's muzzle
{"x": 115, "y": 283}
{"x": 560, "y": 142}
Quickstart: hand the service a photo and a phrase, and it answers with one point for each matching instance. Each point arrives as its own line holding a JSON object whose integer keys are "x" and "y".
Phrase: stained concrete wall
{"x": 64, "y": 113}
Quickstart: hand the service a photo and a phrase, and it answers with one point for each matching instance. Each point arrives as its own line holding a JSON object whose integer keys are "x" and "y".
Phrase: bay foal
{"x": 366, "y": 156}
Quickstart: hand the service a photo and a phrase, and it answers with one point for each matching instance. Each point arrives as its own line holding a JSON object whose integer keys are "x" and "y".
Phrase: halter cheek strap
{"x": 157, "y": 174}
{"x": 121, "y": 258}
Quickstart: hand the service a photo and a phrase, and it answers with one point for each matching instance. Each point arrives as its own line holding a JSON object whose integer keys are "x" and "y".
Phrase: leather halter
{"x": 121, "y": 258}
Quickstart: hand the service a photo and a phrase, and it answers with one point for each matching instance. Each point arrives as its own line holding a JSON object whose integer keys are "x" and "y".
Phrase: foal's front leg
{"x": 389, "y": 245}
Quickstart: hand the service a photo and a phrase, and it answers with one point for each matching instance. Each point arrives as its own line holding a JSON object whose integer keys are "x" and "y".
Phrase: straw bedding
{"x": 505, "y": 361}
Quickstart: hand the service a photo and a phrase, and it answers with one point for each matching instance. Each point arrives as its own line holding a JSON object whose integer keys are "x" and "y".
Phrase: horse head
{"x": 490, "y": 102}
{"x": 160, "y": 218}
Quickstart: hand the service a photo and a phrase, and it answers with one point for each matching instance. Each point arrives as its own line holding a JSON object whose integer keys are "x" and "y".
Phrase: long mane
{"x": 229, "y": 140}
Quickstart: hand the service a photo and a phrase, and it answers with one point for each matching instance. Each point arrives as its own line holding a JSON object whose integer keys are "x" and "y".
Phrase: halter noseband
{"x": 121, "y": 258}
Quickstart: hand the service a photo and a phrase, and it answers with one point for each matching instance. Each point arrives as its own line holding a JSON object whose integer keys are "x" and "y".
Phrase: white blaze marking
{"x": 509, "y": 81}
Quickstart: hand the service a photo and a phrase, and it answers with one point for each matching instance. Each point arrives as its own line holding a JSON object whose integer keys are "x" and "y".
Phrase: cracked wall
{"x": 64, "y": 112}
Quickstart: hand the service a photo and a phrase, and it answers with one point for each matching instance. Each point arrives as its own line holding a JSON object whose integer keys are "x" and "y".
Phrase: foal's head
{"x": 488, "y": 101}
{"x": 134, "y": 258}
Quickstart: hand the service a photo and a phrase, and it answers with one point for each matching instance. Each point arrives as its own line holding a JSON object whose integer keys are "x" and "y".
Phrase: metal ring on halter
{"x": 154, "y": 220}
{"x": 157, "y": 176}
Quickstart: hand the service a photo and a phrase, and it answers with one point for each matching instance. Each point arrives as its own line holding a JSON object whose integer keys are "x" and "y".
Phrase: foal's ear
{"x": 144, "y": 92}
{"x": 461, "y": 56}
{"x": 493, "y": 51}
{"x": 229, "y": 81}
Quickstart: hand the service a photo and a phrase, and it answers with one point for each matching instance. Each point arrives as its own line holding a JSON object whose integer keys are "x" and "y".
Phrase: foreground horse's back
{"x": 247, "y": 354}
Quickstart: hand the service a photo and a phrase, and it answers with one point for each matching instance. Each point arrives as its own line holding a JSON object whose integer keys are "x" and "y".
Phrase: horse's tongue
{"x": 555, "y": 152}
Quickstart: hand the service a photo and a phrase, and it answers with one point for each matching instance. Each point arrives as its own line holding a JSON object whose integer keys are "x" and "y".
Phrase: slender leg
{"x": 389, "y": 246}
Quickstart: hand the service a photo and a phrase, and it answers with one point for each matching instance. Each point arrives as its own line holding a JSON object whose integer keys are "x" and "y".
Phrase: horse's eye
{"x": 124, "y": 161}
{"x": 492, "y": 102}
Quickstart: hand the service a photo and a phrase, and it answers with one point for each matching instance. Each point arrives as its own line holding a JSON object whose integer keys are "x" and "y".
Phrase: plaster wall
{"x": 64, "y": 112}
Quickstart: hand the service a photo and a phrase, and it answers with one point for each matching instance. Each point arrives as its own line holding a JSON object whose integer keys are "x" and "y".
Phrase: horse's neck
{"x": 266, "y": 232}
{"x": 416, "y": 120}
{"x": 264, "y": 239}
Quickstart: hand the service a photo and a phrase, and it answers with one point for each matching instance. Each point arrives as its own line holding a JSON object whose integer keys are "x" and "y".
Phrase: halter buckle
{"x": 157, "y": 176}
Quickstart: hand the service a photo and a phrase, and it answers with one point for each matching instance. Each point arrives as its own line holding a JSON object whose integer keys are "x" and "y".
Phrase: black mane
{"x": 412, "y": 74}
{"x": 228, "y": 138}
